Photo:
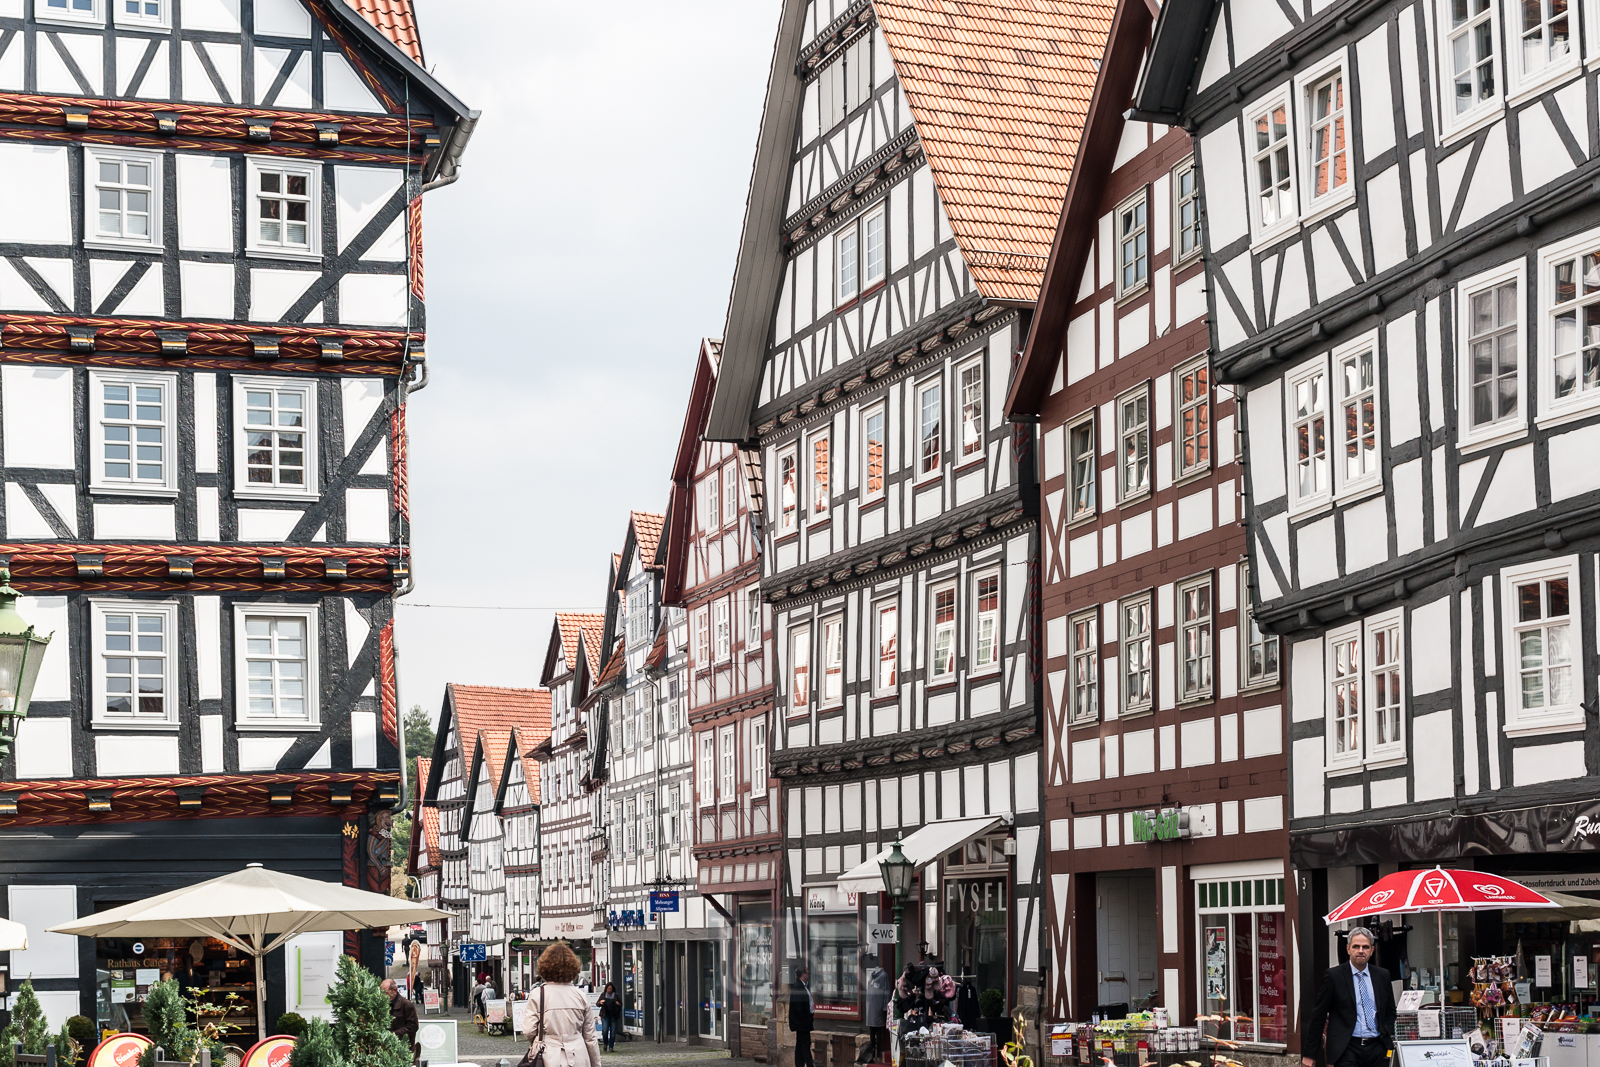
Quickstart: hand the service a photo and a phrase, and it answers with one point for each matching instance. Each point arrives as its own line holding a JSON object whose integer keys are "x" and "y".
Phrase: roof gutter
{"x": 449, "y": 168}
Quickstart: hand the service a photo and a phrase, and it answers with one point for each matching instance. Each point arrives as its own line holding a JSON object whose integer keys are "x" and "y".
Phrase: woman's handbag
{"x": 534, "y": 1057}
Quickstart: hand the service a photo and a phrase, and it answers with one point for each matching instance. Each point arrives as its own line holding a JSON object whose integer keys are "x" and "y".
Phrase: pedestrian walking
{"x": 560, "y": 1017}
{"x": 402, "y": 1017}
{"x": 802, "y": 1015}
{"x": 610, "y": 1008}
{"x": 1355, "y": 1002}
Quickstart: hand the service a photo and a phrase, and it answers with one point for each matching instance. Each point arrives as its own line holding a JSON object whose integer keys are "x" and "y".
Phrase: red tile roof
{"x": 527, "y": 741}
{"x": 430, "y": 834}
{"x": 489, "y": 707}
{"x": 493, "y": 744}
{"x": 647, "y": 535}
{"x": 658, "y": 648}
{"x": 395, "y": 20}
{"x": 590, "y": 627}
{"x": 613, "y": 665}
{"x": 999, "y": 90}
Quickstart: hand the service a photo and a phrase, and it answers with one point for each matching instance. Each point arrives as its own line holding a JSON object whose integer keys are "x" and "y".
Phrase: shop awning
{"x": 921, "y": 848}
{"x": 1568, "y": 906}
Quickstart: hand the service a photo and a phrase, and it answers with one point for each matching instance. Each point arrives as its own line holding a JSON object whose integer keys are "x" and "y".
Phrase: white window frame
{"x": 727, "y": 766}
{"x": 850, "y": 243}
{"x": 1076, "y": 514}
{"x": 1179, "y": 256}
{"x": 168, "y": 610}
{"x": 800, "y": 641}
{"x": 1522, "y": 83}
{"x": 1344, "y": 485}
{"x": 1510, "y": 426}
{"x": 1125, "y": 493}
{"x": 702, "y": 637}
{"x": 123, "y": 17}
{"x": 1552, "y": 411}
{"x": 1204, "y": 626}
{"x": 953, "y": 626}
{"x": 93, "y": 156}
{"x": 1180, "y": 407}
{"x": 758, "y": 757}
{"x": 96, "y": 15}
{"x": 1306, "y": 82}
{"x": 1125, "y": 643}
{"x": 242, "y": 487}
{"x": 1247, "y": 682}
{"x": 1085, "y": 655}
{"x": 711, "y": 500}
{"x": 708, "y": 768}
{"x": 1335, "y": 643}
{"x": 979, "y": 666}
{"x": 819, "y": 482}
{"x": 1453, "y": 126}
{"x": 98, "y": 481}
{"x": 253, "y": 243}
{"x": 1569, "y": 716}
{"x": 890, "y": 610}
{"x": 1311, "y": 368}
{"x": 966, "y": 415}
{"x": 830, "y": 658}
{"x": 924, "y": 468}
{"x": 309, "y": 614}
{"x": 787, "y": 518}
{"x": 753, "y": 619}
{"x": 1135, "y": 236}
{"x": 1376, "y": 630}
{"x": 730, "y": 491}
{"x": 1261, "y": 233}
{"x": 881, "y": 413}
{"x": 721, "y": 629}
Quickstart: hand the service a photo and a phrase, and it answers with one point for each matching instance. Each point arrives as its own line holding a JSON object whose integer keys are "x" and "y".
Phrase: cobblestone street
{"x": 487, "y": 1050}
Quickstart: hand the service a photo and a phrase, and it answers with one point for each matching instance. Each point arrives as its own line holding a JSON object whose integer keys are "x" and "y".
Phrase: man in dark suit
{"x": 1356, "y": 1004}
{"x": 802, "y": 1015}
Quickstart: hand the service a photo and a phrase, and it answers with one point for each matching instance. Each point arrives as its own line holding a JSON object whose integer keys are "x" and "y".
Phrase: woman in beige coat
{"x": 569, "y": 1018}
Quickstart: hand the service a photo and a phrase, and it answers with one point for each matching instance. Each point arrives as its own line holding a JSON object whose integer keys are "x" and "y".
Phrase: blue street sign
{"x": 473, "y": 953}
{"x": 661, "y": 901}
{"x": 388, "y": 953}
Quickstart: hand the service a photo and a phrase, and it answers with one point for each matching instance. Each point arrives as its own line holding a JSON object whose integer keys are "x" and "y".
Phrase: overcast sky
{"x": 571, "y": 273}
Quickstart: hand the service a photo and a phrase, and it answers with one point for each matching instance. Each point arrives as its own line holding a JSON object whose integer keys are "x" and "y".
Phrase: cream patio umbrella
{"x": 254, "y": 910}
{"x": 13, "y": 936}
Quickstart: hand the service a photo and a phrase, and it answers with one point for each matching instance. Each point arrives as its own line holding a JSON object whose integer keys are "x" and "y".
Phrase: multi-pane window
{"x": 712, "y": 487}
{"x": 1133, "y": 443}
{"x": 275, "y": 423}
{"x": 625, "y": 710}
{"x": 730, "y": 765}
{"x": 1542, "y": 622}
{"x": 1575, "y": 340}
{"x": 1344, "y": 681}
{"x": 133, "y": 430}
{"x": 1243, "y": 935}
{"x": 972, "y": 409}
{"x": 721, "y": 629}
{"x": 647, "y": 821}
{"x": 1308, "y": 432}
{"x": 1385, "y": 697}
{"x": 708, "y": 769}
{"x": 1330, "y": 156}
{"x": 752, "y": 604}
{"x": 137, "y": 677}
{"x": 1185, "y": 210}
{"x": 87, "y": 10}
{"x": 1194, "y": 639}
{"x": 277, "y": 661}
{"x": 1356, "y": 380}
{"x": 630, "y": 824}
{"x": 788, "y": 491}
{"x": 1194, "y": 417}
{"x": 873, "y": 435}
{"x": 986, "y": 622}
{"x": 702, "y": 637}
{"x": 888, "y": 643}
{"x": 127, "y": 189}
{"x": 1274, "y": 180}
{"x": 1470, "y": 44}
{"x": 730, "y": 492}
{"x": 930, "y": 427}
{"x": 1260, "y": 649}
{"x": 942, "y": 664}
{"x": 1137, "y": 662}
{"x": 832, "y": 661}
{"x": 860, "y": 247}
{"x": 1084, "y": 633}
{"x": 1082, "y": 468}
{"x": 799, "y": 669}
{"x": 285, "y": 207}
{"x": 1546, "y": 33}
{"x": 1133, "y": 247}
{"x": 758, "y": 757}
{"x": 673, "y": 835}
{"x": 1494, "y": 359}
{"x": 821, "y": 475}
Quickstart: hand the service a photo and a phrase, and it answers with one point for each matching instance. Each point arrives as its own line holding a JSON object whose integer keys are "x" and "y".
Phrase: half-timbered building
{"x": 423, "y": 865}
{"x": 906, "y": 187}
{"x": 484, "y": 832}
{"x": 712, "y": 572}
{"x": 1401, "y": 242}
{"x": 1162, "y": 703}
{"x": 518, "y": 807}
{"x": 567, "y": 893}
{"x": 211, "y": 286}
{"x": 468, "y": 712}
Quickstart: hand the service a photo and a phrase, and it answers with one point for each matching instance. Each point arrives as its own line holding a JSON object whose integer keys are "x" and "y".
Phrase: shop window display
{"x": 1243, "y": 966}
{"x": 755, "y": 964}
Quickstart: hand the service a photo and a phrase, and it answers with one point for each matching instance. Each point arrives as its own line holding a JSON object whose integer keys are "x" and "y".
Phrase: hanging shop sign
{"x": 663, "y": 901}
{"x": 1169, "y": 824}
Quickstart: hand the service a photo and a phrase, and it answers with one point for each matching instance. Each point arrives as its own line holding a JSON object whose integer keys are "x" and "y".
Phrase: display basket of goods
{"x": 961, "y": 1048}
{"x": 1494, "y": 986}
{"x": 1453, "y": 1023}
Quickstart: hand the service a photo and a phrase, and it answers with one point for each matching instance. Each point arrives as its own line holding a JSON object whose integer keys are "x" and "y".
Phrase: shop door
{"x": 1126, "y": 928}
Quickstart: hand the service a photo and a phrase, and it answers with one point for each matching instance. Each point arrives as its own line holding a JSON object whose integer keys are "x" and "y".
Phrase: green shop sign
{"x": 1169, "y": 825}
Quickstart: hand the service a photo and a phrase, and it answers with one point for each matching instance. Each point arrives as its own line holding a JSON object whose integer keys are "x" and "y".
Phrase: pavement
{"x": 487, "y": 1050}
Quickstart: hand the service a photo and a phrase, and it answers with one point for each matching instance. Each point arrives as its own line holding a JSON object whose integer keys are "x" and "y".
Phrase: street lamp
{"x": 897, "y": 873}
{"x": 21, "y": 652}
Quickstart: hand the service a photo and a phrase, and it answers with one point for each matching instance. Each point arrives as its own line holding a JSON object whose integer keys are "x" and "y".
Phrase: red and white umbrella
{"x": 1438, "y": 891}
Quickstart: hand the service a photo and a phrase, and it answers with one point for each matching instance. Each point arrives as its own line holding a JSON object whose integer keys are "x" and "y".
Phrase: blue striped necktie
{"x": 1364, "y": 1000}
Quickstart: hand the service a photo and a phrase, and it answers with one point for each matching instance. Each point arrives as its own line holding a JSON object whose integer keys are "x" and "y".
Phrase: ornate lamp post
{"x": 21, "y": 652}
{"x": 898, "y": 872}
